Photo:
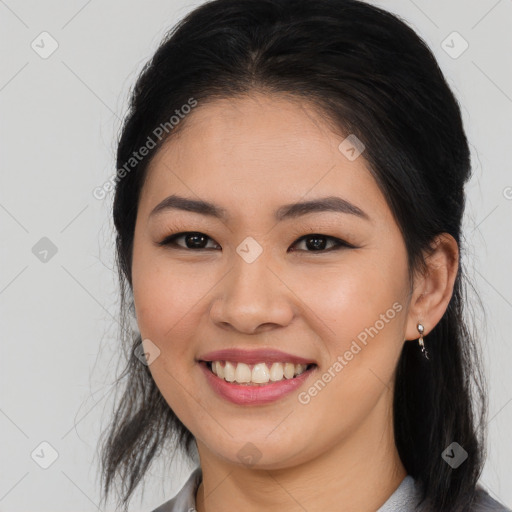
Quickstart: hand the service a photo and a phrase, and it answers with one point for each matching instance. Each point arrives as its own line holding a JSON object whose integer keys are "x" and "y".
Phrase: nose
{"x": 252, "y": 298}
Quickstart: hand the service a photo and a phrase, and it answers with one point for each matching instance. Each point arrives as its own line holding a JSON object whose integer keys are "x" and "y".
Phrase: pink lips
{"x": 241, "y": 394}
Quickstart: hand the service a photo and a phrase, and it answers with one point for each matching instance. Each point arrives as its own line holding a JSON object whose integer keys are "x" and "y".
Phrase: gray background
{"x": 60, "y": 116}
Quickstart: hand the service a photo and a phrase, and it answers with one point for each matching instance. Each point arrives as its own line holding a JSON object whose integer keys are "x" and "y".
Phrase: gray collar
{"x": 404, "y": 498}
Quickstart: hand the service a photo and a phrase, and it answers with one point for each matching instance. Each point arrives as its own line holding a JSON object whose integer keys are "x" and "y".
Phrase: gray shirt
{"x": 405, "y": 497}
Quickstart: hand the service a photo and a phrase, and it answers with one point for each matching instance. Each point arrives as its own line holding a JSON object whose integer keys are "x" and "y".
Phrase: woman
{"x": 288, "y": 211}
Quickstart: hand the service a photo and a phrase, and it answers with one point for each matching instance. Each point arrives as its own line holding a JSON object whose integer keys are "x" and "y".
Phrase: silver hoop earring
{"x": 421, "y": 342}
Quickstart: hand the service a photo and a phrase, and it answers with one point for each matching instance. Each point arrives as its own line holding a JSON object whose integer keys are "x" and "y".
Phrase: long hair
{"x": 371, "y": 75}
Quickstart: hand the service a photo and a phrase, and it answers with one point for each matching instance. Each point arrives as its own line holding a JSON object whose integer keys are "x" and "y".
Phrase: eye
{"x": 193, "y": 240}
{"x": 199, "y": 241}
{"x": 317, "y": 243}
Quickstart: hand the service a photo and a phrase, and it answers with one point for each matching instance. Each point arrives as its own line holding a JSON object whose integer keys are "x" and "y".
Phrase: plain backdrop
{"x": 60, "y": 116}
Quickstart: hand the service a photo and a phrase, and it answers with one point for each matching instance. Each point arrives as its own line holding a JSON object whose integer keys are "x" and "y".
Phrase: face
{"x": 328, "y": 285}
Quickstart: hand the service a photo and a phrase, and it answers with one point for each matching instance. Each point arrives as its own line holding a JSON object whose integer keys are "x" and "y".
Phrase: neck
{"x": 361, "y": 472}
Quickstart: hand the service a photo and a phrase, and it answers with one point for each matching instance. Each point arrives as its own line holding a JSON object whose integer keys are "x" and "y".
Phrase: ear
{"x": 433, "y": 289}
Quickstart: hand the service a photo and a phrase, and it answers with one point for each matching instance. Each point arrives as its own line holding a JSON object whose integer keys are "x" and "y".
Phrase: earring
{"x": 420, "y": 341}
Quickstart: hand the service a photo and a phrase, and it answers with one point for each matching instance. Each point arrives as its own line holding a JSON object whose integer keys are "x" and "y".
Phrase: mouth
{"x": 259, "y": 374}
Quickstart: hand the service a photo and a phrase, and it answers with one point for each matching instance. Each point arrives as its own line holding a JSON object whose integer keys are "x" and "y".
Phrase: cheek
{"x": 170, "y": 303}
{"x": 362, "y": 334}
{"x": 363, "y": 320}
{"x": 164, "y": 305}
{"x": 353, "y": 298}
{"x": 158, "y": 294}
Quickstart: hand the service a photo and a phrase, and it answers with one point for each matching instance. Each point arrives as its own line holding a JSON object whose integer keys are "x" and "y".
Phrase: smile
{"x": 256, "y": 374}
{"x": 255, "y": 393}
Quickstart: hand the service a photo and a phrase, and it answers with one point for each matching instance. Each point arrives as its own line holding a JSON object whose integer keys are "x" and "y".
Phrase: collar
{"x": 403, "y": 499}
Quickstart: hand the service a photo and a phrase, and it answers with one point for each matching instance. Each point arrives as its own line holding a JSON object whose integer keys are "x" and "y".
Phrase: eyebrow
{"x": 288, "y": 211}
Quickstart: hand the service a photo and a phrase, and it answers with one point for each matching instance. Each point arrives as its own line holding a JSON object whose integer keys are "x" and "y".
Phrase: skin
{"x": 251, "y": 155}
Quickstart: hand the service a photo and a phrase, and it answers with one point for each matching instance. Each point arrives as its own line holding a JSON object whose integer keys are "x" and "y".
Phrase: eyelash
{"x": 170, "y": 241}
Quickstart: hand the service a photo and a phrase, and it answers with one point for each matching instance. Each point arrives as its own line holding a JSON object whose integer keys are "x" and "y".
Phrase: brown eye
{"x": 193, "y": 240}
{"x": 317, "y": 243}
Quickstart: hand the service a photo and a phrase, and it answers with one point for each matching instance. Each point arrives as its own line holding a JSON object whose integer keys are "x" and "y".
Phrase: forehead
{"x": 258, "y": 148}
{"x": 254, "y": 127}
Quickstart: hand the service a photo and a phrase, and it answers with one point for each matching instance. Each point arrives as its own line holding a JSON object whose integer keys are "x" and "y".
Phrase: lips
{"x": 255, "y": 394}
{"x": 247, "y": 356}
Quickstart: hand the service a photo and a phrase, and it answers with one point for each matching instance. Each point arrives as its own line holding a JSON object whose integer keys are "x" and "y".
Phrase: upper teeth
{"x": 259, "y": 374}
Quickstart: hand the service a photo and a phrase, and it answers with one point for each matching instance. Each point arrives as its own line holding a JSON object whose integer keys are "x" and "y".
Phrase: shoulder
{"x": 484, "y": 502}
{"x": 185, "y": 500}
